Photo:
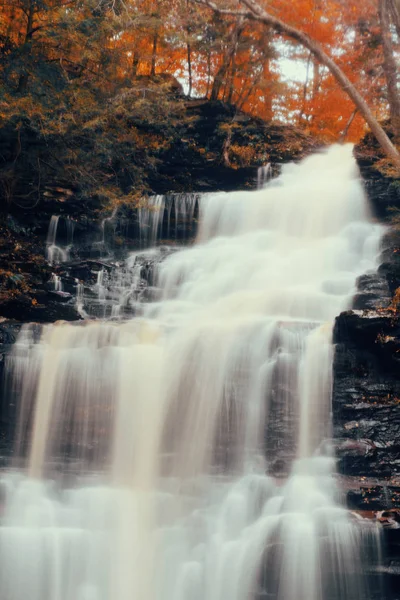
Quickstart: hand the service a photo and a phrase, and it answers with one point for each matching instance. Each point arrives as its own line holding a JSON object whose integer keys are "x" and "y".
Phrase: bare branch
{"x": 224, "y": 11}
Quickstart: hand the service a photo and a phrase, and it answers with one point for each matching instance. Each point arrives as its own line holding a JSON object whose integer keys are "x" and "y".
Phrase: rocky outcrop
{"x": 174, "y": 145}
{"x": 381, "y": 182}
{"x": 366, "y": 394}
{"x": 220, "y": 148}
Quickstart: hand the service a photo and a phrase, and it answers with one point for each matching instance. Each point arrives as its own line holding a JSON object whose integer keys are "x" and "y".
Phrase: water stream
{"x": 184, "y": 454}
{"x": 58, "y": 247}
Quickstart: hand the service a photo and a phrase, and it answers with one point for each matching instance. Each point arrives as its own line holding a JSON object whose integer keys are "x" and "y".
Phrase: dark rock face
{"x": 366, "y": 416}
{"x": 373, "y": 291}
{"x": 207, "y": 146}
{"x": 9, "y": 331}
{"x": 195, "y": 161}
{"x": 366, "y": 393}
{"x": 390, "y": 266}
{"x": 382, "y": 187}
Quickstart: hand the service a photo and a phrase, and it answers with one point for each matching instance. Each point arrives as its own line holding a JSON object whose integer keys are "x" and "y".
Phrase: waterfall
{"x": 57, "y": 283}
{"x": 264, "y": 175}
{"x": 122, "y": 288}
{"x": 153, "y": 221}
{"x": 80, "y": 298}
{"x": 59, "y": 252}
{"x": 184, "y": 453}
{"x": 172, "y": 216}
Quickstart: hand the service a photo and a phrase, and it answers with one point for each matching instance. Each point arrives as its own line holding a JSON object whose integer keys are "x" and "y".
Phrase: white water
{"x": 56, "y": 251}
{"x": 166, "y": 217}
{"x": 57, "y": 282}
{"x": 264, "y": 175}
{"x": 145, "y": 477}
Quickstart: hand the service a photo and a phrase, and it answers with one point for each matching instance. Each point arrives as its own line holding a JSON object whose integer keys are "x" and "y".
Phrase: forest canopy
{"x": 59, "y": 54}
{"x": 104, "y": 84}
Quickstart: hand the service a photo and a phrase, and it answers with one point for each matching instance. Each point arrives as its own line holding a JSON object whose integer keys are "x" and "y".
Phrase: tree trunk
{"x": 231, "y": 86}
{"x": 268, "y": 93}
{"x": 189, "y": 62}
{"x": 154, "y": 54}
{"x": 316, "y": 79}
{"x": 345, "y": 131}
{"x": 389, "y": 66}
{"x": 24, "y": 77}
{"x": 394, "y": 8}
{"x": 243, "y": 97}
{"x": 305, "y": 92}
{"x": 256, "y": 13}
{"x": 316, "y": 85}
{"x": 135, "y": 63}
{"x": 208, "y": 72}
{"x": 228, "y": 56}
{"x": 189, "y": 50}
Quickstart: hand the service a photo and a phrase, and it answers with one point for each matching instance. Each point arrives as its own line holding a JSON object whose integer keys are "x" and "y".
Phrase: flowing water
{"x": 167, "y": 217}
{"x": 58, "y": 246}
{"x": 171, "y": 217}
{"x": 183, "y": 454}
{"x": 264, "y": 175}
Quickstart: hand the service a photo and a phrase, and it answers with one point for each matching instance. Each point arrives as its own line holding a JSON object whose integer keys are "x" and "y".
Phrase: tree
{"x": 390, "y": 62}
{"x": 253, "y": 11}
{"x": 394, "y": 8}
{"x": 232, "y": 53}
{"x": 227, "y": 58}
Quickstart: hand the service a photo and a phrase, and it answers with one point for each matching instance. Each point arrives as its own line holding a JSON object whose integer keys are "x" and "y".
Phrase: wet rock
{"x": 61, "y": 296}
{"x": 389, "y": 518}
{"x": 366, "y": 393}
{"x": 373, "y": 291}
{"x": 9, "y": 331}
{"x": 366, "y": 496}
{"x": 22, "y": 309}
{"x": 381, "y": 185}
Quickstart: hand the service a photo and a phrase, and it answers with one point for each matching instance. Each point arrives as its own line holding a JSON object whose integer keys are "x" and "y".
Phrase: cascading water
{"x": 57, "y": 251}
{"x": 171, "y": 217}
{"x": 264, "y": 175}
{"x": 168, "y": 217}
{"x": 147, "y": 442}
{"x": 57, "y": 283}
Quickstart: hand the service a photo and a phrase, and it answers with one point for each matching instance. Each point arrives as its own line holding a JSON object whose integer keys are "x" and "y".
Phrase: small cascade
{"x": 100, "y": 287}
{"x": 57, "y": 283}
{"x": 264, "y": 175}
{"x": 122, "y": 289}
{"x": 181, "y": 449}
{"x": 157, "y": 220}
{"x": 170, "y": 217}
{"x": 70, "y": 226}
{"x": 80, "y": 298}
{"x": 107, "y": 224}
{"x": 150, "y": 219}
{"x": 59, "y": 244}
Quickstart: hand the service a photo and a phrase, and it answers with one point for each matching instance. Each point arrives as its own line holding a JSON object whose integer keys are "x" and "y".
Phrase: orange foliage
{"x": 112, "y": 43}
